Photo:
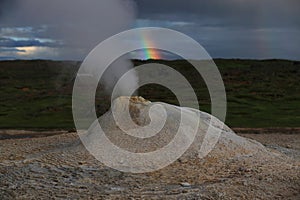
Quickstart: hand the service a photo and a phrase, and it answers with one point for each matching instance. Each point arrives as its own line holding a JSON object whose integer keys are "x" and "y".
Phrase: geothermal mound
{"x": 219, "y": 143}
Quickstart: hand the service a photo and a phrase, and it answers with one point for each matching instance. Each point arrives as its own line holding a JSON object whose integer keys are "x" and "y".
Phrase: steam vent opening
{"x": 134, "y": 102}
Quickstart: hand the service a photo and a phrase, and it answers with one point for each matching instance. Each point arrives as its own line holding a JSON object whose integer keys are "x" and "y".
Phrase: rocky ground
{"x": 58, "y": 167}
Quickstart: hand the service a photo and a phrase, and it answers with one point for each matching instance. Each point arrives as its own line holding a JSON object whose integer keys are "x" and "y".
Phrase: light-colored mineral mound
{"x": 140, "y": 126}
{"x": 60, "y": 167}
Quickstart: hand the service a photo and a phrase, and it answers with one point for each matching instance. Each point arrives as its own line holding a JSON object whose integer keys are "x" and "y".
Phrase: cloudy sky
{"x": 69, "y": 29}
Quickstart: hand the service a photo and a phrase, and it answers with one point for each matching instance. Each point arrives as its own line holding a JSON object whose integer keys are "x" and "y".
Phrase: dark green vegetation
{"x": 37, "y": 94}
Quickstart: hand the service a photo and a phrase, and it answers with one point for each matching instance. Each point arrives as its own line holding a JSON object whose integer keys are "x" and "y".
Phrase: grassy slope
{"x": 37, "y": 94}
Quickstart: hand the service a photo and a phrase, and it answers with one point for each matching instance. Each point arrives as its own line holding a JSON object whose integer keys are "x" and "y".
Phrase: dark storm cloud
{"x": 11, "y": 50}
{"x": 22, "y": 32}
{"x": 79, "y": 24}
{"x": 228, "y": 13}
{"x": 5, "y": 6}
{"x": 231, "y": 28}
{"x": 226, "y": 28}
{"x": 8, "y": 42}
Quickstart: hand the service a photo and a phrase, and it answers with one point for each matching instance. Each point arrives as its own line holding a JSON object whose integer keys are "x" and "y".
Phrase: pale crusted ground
{"x": 57, "y": 167}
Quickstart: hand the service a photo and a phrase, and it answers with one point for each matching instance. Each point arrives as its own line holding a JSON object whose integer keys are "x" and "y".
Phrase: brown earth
{"x": 57, "y": 167}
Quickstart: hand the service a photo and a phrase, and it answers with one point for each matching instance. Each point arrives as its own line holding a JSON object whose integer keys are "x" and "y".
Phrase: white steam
{"x": 76, "y": 26}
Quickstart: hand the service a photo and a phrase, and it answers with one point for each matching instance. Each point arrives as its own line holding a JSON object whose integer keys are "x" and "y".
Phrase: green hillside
{"x": 37, "y": 94}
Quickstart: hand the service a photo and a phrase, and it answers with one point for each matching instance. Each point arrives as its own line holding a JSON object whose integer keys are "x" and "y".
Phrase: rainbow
{"x": 148, "y": 52}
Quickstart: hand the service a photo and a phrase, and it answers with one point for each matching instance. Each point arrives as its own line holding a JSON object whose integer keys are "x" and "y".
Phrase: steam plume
{"x": 79, "y": 25}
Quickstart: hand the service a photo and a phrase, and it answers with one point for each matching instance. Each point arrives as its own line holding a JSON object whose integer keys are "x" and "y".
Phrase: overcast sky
{"x": 226, "y": 28}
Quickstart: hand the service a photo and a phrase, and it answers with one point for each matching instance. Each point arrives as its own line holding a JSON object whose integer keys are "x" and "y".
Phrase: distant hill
{"x": 37, "y": 94}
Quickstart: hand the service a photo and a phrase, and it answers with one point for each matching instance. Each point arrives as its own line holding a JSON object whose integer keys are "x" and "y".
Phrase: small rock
{"x": 247, "y": 170}
{"x": 269, "y": 179}
{"x": 11, "y": 157}
{"x": 116, "y": 188}
{"x": 81, "y": 162}
{"x": 241, "y": 169}
{"x": 26, "y": 161}
{"x": 185, "y": 184}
